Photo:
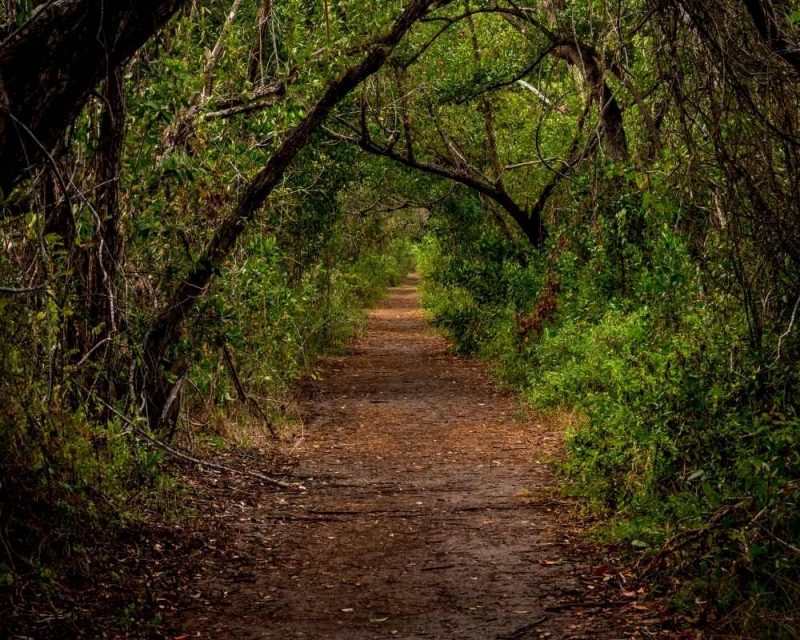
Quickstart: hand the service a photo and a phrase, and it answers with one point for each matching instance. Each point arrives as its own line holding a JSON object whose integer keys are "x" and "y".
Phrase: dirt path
{"x": 430, "y": 514}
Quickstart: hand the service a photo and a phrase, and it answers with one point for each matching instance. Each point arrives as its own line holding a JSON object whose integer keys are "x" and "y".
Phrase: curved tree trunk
{"x": 612, "y": 127}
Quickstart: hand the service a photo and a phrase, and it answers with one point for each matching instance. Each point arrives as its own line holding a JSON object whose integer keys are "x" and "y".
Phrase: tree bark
{"x": 256, "y": 58}
{"x": 612, "y": 128}
{"x": 107, "y": 247}
{"x": 766, "y": 23}
{"x": 49, "y": 66}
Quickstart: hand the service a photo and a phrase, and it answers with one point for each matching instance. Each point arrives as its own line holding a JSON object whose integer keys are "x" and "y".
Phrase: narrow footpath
{"x": 431, "y": 512}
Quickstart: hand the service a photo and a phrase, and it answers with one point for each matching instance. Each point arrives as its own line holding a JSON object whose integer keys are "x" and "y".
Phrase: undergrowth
{"x": 73, "y": 486}
{"x": 685, "y": 437}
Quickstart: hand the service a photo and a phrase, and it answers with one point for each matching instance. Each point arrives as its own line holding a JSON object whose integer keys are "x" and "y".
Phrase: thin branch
{"x": 786, "y": 333}
{"x": 20, "y": 290}
{"x": 182, "y": 455}
{"x": 216, "y": 53}
{"x": 542, "y": 97}
{"x": 501, "y": 84}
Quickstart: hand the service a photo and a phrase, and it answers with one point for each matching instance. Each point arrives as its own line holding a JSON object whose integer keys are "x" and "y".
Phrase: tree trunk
{"x": 49, "y": 66}
{"x": 107, "y": 248}
{"x": 256, "y": 59}
{"x": 612, "y": 128}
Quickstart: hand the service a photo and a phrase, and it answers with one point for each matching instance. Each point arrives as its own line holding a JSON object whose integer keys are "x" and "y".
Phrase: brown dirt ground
{"x": 431, "y": 512}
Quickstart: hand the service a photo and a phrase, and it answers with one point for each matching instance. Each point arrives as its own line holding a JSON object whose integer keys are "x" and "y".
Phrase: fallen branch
{"x": 523, "y": 631}
{"x": 587, "y": 605}
{"x": 244, "y": 397}
{"x": 289, "y": 516}
{"x": 185, "y": 457}
{"x": 262, "y": 98}
{"x": 439, "y": 567}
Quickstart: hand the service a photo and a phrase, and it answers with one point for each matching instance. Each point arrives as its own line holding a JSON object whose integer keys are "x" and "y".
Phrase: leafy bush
{"x": 684, "y": 435}
{"x": 276, "y": 328}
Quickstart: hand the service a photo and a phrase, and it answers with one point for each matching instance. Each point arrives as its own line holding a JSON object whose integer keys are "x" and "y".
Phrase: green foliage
{"x": 277, "y": 328}
{"x": 73, "y": 474}
{"x": 682, "y": 435}
{"x": 661, "y": 311}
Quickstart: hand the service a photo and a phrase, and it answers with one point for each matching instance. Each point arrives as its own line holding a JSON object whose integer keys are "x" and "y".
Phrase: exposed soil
{"x": 431, "y": 512}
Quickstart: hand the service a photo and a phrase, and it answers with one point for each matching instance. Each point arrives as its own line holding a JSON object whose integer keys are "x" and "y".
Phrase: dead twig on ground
{"x": 517, "y": 634}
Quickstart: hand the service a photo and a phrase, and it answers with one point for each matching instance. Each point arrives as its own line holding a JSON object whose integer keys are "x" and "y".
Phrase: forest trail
{"x": 431, "y": 513}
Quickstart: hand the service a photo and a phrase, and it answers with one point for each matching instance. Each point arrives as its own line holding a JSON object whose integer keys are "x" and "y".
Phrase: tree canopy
{"x": 602, "y": 197}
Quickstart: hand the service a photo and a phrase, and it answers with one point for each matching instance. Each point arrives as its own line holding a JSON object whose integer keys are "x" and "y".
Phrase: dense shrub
{"x": 684, "y": 435}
